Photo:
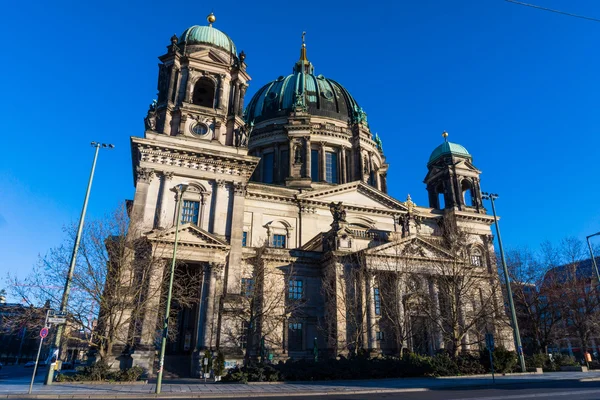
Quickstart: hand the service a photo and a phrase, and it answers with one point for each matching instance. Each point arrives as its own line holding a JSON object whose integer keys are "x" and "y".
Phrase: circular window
{"x": 328, "y": 94}
{"x": 199, "y": 129}
{"x": 272, "y": 95}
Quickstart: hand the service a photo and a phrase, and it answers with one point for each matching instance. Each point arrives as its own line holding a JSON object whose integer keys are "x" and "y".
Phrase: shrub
{"x": 504, "y": 360}
{"x": 101, "y": 372}
{"x": 219, "y": 364}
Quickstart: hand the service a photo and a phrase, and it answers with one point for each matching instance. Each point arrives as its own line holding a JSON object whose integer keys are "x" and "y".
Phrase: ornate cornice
{"x": 205, "y": 160}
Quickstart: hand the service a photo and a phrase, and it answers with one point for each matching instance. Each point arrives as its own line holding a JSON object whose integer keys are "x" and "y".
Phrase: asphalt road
{"x": 546, "y": 390}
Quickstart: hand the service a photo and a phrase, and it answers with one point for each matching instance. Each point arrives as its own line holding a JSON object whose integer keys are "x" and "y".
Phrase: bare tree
{"x": 117, "y": 279}
{"x": 538, "y": 313}
{"x": 467, "y": 292}
{"x": 266, "y": 303}
{"x": 575, "y": 290}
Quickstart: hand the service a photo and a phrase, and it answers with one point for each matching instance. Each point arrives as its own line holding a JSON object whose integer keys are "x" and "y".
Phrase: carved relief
{"x": 240, "y": 188}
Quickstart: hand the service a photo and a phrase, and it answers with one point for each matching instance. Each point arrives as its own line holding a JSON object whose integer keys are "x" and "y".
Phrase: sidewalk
{"x": 198, "y": 389}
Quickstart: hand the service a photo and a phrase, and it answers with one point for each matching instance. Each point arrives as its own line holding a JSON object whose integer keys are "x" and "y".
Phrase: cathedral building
{"x": 284, "y": 212}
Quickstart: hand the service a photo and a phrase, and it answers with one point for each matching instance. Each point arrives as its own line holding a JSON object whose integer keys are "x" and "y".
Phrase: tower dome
{"x": 198, "y": 34}
{"x": 448, "y": 149}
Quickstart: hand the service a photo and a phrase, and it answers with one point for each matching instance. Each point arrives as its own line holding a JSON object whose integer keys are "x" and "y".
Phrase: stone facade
{"x": 286, "y": 202}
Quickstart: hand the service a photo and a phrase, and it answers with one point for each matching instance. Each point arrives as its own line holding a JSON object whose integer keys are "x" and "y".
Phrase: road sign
{"x": 57, "y": 320}
{"x": 44, "y": 332}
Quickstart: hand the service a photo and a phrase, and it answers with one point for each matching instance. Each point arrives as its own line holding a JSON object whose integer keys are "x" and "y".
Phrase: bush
{"x": 219, "y": 364}
{"x": 101, "y": 372}
{"x": 505, "y": 361}
{"x": 357, "y": 367}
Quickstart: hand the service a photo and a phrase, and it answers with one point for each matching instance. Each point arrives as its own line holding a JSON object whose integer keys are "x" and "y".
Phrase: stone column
{"x": 211, "y": 315}
{"x": 221, "y": 203}
{"x": 323, "y": 163}
{"x": 291, "y": 158}
{"x": 343, "y": 173}
{"x": 151, "y": 308}
{"x": 144, "y": 177}
{"x": 371, "y": 316}
{"x": 277, "y": 162}
{"x": 171, "y": 84}
{"x": 161, "y": 211}
{"x": 243, "y": 88}
{"x": 220, "y": 99}
{"x": 434, "y": 293}
{"x": 307, "y": 162}
{"x": 233, "y": 273}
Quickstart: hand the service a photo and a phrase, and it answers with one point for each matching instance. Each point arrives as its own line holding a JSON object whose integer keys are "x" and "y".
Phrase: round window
{"x": 199, "y": 129}
{"x": 328, "y": 94}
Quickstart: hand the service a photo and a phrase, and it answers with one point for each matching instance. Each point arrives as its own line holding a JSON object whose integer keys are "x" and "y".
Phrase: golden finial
{"x": 409, "y": 204}
{"x": 303, "y": 50}
{"x": 211, "y": 19}
{"x": 445, "y": 135}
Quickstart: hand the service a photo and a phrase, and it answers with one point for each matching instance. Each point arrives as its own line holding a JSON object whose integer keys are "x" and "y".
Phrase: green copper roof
{"x": 448, "y": 148}
{"x": 207, "y": 35}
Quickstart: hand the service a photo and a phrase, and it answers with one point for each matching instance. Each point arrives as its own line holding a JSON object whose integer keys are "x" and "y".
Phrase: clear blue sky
{"x": 517, "y": 87}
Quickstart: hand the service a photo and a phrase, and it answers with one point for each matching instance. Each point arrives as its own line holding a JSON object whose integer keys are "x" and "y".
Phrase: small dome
{"x": 448, "y": 148}
{"x": 207, "y": 35}
{"x": 323, "y": 97}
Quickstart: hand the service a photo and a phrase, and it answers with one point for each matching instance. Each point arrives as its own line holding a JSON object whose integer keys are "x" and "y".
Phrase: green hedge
{"x": 411, "y": 365}
{"x": 100, "y": 371}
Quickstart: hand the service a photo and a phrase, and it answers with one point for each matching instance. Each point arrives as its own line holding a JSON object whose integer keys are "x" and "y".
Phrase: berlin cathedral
{"x": 280, "y": 203}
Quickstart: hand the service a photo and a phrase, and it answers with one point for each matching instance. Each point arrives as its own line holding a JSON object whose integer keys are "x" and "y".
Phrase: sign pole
{"x": 43, "y": 334}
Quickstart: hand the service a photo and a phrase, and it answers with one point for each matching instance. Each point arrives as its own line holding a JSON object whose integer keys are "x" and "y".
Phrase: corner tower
{"x": 452, "y": 180}
{"x": 202, "y": 82}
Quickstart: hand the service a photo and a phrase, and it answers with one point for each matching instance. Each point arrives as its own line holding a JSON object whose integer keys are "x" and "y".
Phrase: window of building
{"x": 467, "y": 191}
{"x": 244, "y": 239}
{"x": 244, "y": 335}
{"x": 331, "y": 170}
{"x": 314, "y": 165}
{"x": 476, "y": 258}
{"x": 267, "y": 168}
{"x": 377, "y": 298}
{"x": 379, "y": 335}
{"x": 296, "y": 290}
{"x": 284, "y": 166}
{"x": 295, "y": 336}
{"x": 279, "y": 241}
{"x": 190, "y": 212}
{"x": 247, "y": 289}
{"x": 204, "y": 93}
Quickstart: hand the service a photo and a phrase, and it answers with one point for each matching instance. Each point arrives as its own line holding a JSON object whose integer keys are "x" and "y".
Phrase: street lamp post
{"x": 67, "y": 289}
{"x": 513, "y": 314}
{"x": 161, "y": 360}
{"x": 592, "y": 254}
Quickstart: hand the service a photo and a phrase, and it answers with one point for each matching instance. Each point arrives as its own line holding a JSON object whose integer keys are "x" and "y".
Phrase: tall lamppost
{"x": 65, "y": 297}
{"x": 513, "y": 314}
{"x": 592, "y": 254}
{"x": 180, "y": 189}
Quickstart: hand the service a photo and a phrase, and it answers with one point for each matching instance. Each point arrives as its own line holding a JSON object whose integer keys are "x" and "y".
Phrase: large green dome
{"x": 318, "y": 95}
{"x": 207, "y": 35}
{"x": 446, "y": 149}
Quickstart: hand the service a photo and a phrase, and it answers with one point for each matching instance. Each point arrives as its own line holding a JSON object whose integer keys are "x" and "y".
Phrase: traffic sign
{"x": 44, "y": 332}
{"x": 57, "y": 320}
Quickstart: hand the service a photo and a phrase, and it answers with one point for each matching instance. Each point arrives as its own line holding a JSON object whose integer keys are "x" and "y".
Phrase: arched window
{"x": 476, "y": 257}
{"x": 467, "y": 192}
{"x": 204, "y": 93}
{"x": 441, "y": 200}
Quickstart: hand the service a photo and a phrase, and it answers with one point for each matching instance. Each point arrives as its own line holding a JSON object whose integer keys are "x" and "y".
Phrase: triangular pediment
{"x": 211, "y": 56}
{"x": 189, "y": 235}
{"x": 355, "y": 194}
{"x": 412, "y": 246}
